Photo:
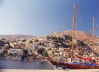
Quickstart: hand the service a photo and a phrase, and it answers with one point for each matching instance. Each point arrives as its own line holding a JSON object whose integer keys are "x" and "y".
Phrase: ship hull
{"x": 73, "y": 66}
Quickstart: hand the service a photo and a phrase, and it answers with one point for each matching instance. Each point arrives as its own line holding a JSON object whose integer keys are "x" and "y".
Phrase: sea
{"x": 14, "y": 64}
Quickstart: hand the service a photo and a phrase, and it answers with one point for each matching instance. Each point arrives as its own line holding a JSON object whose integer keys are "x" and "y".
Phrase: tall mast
{"x": 73, "y": 33}
{"x": 94, "y": 34}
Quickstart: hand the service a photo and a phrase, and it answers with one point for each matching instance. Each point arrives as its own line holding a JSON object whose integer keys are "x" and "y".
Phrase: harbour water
{"x": 10, "y": 64}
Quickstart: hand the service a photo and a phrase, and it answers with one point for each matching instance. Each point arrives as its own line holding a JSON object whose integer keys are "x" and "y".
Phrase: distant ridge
{"x": 80, "y": 35}
{"x": 16, "y": 37}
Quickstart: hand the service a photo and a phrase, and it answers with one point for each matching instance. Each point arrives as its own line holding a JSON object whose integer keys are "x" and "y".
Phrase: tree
{"x": 41, "y": 50}
{"x": 23, "y": 40}
{"x": 45, "y": 54}
{"x": 1, "y": 43}
{"x": 36, "y": 40}
{"x": 30, "y": 41}
{"x": 25, "y": 51}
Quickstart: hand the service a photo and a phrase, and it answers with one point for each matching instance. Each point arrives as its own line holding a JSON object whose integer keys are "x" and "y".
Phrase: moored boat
{"x": 74, "y": 65}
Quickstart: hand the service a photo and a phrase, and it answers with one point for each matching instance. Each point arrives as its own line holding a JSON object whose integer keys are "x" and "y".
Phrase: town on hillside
{"x": 56, "y": 46}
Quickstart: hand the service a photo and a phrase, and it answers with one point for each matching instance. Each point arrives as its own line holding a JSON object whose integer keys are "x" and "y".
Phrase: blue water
{"x": 9, "y": 64}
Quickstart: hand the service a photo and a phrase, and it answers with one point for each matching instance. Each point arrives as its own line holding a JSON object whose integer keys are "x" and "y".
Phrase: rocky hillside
{"x": 82, "y": 36}
{"x": 57, "y": 45}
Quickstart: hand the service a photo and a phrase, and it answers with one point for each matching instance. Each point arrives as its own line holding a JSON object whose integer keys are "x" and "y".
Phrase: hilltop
{"x": 80, "y": 35}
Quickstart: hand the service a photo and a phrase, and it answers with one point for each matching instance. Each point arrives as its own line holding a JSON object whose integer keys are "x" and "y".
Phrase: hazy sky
{"x": 41, "y": 17}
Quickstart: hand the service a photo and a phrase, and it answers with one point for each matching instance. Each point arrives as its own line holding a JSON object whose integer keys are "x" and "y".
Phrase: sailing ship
{"x": 77, "y": 65}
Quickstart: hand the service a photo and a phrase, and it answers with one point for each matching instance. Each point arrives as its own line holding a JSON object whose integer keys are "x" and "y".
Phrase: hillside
{"x": 57, "y": 45}
{"x": 80, "y": 35}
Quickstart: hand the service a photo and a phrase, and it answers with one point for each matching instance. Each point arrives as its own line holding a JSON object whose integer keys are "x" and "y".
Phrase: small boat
{"x": 76, "y": 65}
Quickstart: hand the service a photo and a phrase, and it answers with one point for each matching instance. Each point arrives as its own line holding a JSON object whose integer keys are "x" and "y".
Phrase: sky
{"x": 42, "y": 17}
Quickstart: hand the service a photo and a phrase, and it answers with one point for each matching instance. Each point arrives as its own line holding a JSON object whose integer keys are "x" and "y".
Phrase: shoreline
{"x": 23, "y": 60}
{"x": 68, "y": 70}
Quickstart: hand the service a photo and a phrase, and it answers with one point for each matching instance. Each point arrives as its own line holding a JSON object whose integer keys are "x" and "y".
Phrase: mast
{"x": 94, "y": 34}
{"x": 73, "y": 33}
